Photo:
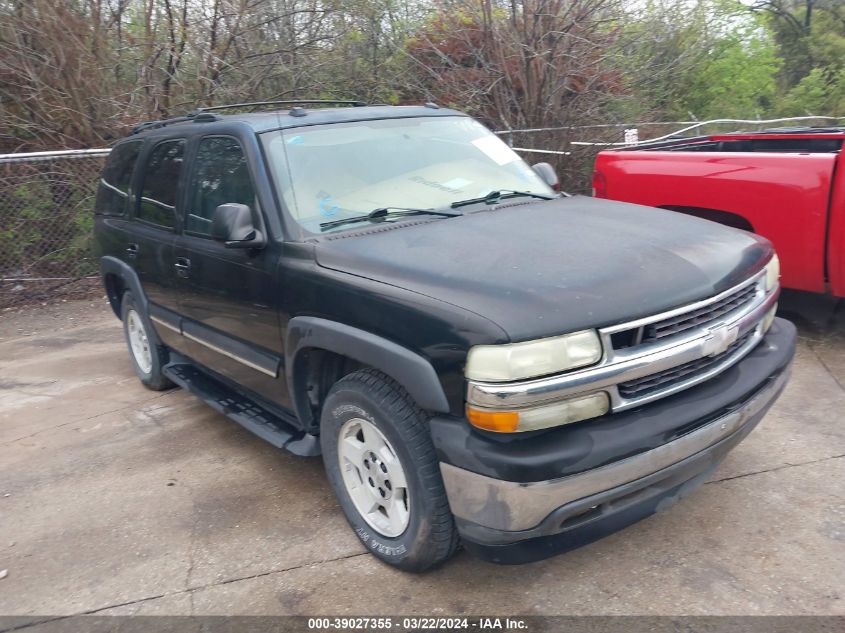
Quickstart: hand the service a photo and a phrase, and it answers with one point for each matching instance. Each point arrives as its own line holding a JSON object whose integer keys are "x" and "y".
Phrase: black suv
{"x": 479, "y": 359}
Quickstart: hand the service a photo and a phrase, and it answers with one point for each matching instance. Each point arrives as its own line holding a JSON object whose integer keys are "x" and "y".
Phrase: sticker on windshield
{"x": 496, "y": 149}
{"x": 457, "y": 183}
{"x": 327, "y": 209}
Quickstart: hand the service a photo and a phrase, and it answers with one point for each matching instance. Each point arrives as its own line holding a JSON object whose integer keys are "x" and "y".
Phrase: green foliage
{"x": 711, "y": 59}
{"x": 821, "y": 91}
{"x": 661, "y": 49}
{"x": 826, "y": 40}
{"x": 739, "y": 77}
{"x": 732, "y": 59}
{"x": 812, "y": 47}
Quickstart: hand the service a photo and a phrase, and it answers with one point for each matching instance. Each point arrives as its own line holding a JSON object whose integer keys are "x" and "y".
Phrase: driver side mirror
{"x": 233, "y": 225}
{"x": 548, "y": 174}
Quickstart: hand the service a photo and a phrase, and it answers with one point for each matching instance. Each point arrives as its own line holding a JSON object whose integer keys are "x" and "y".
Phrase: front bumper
{"x": 521, "y": 518}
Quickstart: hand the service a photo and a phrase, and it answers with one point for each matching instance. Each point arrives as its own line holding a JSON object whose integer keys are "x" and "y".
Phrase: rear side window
{"x": 113, "y": 190}
{"x": 161, "y": 183}
{"x": 221, "y": 177}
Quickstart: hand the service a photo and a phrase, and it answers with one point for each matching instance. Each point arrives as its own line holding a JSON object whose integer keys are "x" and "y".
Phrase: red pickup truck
{"x": 787, "y": 185}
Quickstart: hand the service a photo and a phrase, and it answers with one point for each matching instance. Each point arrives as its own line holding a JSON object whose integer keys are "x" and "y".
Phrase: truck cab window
{"x": 161, "y": 183}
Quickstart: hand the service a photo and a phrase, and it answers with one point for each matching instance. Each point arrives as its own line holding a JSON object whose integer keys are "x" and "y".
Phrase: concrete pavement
{"x": 119, "y": 500}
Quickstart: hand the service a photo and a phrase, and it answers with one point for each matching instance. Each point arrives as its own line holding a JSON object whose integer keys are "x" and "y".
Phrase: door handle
{"x": 132, "y": 251}
{"x": 183, "y": 266}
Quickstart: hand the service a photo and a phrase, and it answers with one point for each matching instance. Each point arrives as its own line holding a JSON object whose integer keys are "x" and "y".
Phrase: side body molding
{"x": 409, "y": 369}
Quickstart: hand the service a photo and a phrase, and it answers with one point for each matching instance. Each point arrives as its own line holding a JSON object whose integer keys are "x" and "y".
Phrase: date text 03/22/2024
{"x": 416, "y": 623}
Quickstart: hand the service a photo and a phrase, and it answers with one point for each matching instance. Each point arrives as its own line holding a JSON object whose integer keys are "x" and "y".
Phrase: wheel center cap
{"x": 378, "y": 478}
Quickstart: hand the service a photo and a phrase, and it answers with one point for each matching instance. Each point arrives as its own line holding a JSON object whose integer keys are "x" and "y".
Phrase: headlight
{"x": 498, "y": 363}
{"x": 556, "y": 414}
{"x": 772, "y": 273}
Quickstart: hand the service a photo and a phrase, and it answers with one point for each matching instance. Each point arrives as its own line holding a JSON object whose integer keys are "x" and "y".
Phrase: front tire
{"x": 381, "y": 463}
{"x": 147, "y": 358}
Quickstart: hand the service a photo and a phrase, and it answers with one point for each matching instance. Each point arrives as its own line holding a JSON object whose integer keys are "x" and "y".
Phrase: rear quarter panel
{"x": 784, "y": 197}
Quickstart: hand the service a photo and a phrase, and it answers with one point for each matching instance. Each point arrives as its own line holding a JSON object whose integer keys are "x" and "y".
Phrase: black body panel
{"x": 229, "y": 300}
{"x": 565, "y": 265}
{"x": 115, "y": 268}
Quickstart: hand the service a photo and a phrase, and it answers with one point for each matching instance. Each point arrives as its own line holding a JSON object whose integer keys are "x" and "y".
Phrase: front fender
{"x": 406, "y": 367}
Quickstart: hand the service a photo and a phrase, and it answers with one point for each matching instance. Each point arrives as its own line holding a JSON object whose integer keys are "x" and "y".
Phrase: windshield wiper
{"x": 377, "y": 215}
{"x": 494, "y": 196}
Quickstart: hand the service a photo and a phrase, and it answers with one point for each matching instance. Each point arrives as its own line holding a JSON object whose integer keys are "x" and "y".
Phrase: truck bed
{"x": 771, "y": 185}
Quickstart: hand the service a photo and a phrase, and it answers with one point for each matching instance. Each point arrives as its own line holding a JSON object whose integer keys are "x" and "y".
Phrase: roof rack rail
{"x": 154, "y": 125}
{"x": 204, "y": 115}
{"x": 294, "y": 102}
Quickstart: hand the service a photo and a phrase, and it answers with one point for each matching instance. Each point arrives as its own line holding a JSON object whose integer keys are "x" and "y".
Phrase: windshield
{"x": 340, "y": 170}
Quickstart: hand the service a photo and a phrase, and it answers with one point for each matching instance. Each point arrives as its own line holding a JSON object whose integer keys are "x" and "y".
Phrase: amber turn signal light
{"x": 499, "y": 421}
{"x": 542, "y": 417}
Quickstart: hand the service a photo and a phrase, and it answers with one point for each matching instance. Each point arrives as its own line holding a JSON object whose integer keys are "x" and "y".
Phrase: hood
{"x": 551, "y": 267}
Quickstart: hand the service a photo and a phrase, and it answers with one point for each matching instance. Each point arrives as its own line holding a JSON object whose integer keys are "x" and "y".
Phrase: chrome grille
{"x": 687, "y": 321}
{"x": 633, "y": 371}
{"x": 702, "y": 316}
{"x": 654, "y": 382}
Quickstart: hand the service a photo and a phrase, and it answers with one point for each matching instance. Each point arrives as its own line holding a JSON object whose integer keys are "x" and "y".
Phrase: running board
{"x": 266, "y": 425}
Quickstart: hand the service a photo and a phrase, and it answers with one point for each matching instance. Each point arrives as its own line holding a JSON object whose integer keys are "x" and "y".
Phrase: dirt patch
{"x": 17, "y": 295}
{"x": 53, "y": 318}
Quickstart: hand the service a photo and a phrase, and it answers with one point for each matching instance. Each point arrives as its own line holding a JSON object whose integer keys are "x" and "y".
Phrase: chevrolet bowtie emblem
{"x": 719, "y": 340}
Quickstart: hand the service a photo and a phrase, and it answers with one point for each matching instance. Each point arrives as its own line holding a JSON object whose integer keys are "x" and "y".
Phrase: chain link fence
{"x": 46, "y": 215}
{"x": 47, "y": 198}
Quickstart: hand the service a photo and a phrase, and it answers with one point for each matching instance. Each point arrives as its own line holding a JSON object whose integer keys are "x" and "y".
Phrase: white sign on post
{"x": 632, "y": 136}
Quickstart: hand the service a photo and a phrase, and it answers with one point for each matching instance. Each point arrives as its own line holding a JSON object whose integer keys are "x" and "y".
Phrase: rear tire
{"x": 147, "y": 358}
{"x": 378, "y": 456}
